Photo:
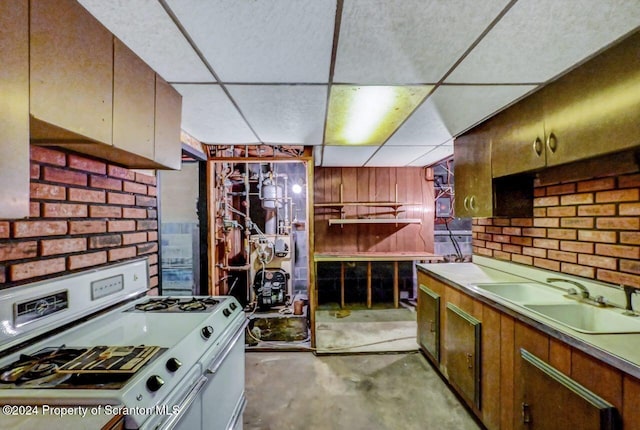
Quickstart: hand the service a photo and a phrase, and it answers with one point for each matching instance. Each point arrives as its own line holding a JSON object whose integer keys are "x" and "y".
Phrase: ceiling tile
{"x": 412, "y": 41}
{"x": 538, "y": 39}
{"x": 462, "y": 106}
{"x": 283, "y": 114}
{"x": 424, "y": 127}
{"x": 209, "y": 116}
{"x": 436, "y": 154}
{"x": 395, "y": 156}
{"x": 348, "y": 156}
{"x": 262, "y": 41}
{"x": 145, "y": 27}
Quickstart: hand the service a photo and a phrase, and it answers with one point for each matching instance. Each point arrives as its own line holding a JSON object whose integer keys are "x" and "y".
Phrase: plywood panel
{"x": 631, "y": 403}
{"x": 603, "y": 380}
{"x": 507, "y": 349}
{"x": 560, "y": 356}
{"x": 534, "y": 342}
{"x": 491, "y": 354}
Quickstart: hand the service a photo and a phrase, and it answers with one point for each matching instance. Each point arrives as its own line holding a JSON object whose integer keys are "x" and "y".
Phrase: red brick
{"x": 582, "y": 247}
{"x": 483, "y": 251}
{"x": 105, "y": 212}
{"x": 513, "y": 231}
{"x": 534, "y": 232}
{"x": 561, "y": 189}
{"x": 81, "y": 163}
{"x": 524, "y": 241}
{"x": 64, "y": 210}
{"x": 546, "y": 243}
{"x": 132, "y": 187}
{"x": 484, "y": 236}
{"x": 47, "y": 192}
{"x": 569, "y": 257}
{"x": 147, "y": 225}
{"x": 494, "y": 245}
{"x": 576, "y": 199}
{"x": 55, "y": 174}
{"x": 82, "y": 195}
{"x": 146, "y": 201}
{"x": 128, "y": 239}
{"x": 502, "y": 238}
{"x": 153, "y": 282}
{"x": 152, "y": 236}
{"x": 153, "y": 259}
{"x": 147, "y": 248}
{"x": 522, "y": 259}
{"x": 626, "y": 195}
{"x": 152, "y": 191}
{"x": 84, "y": 227}
{"x": 4, "y": 229}
{"x": 47, "y": 156}
{"x": 534, "y": 252}
{"x": 578, "y": 222}
{"x": 577, "y": 270}
{"x": 484, "y": 221}
{"x": 3, "y": 275}
{"x": 121, "y": 199}
{"x": 562, "y": 233}
{"x": 18, "y": 250}
{"x": 120, "y": 172}
{"x": 624, "y": 251}
{"x": 134, "y": 213}
{"x": 546, "y": 201}
{"x": 539, "y": 191}
{"x": 629, "y": 181}
{"x": 478, "y": 228}
{"x": 597, "y": 210}
{"x": 514, "y": 249}
{"x": 63, "y": 246}
{"x": 39, "y": 228}
{"x": 597, "y": 236}
{"x": 478, "y": 243}
{"x": 34, "y": 210}
{"x": 128, "y": 225}
{"x": 105, "y": 183}
{"x": 546, "y": 222}
{"x": 501, "y": 222}
{"x": 630, "y": 209}
{"x": 122, "y": 253}
{"x": 33, "y": 269}
{"x": 539, "y": 212}
{"x": 34, "y": 171}
{"x": 630, "y": 237}
{"x": 561, "y": 211}
{"x": 630, "y": 266}
{"x": 619, "y": 223}
{"x": 547, "y": 264}
{"x": 153, "y": 270}
{"x": 105, "y": 241}
{"x": 145, "y": 179}
{"x": 618, "y": 278}
{"x": 86, "y": 260}
{"x": 597, "y": 261}
{"x": 502, "y": 255}
{"x": 597, "y": 185}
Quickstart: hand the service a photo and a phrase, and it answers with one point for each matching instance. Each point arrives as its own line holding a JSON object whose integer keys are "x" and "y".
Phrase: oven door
{"x": 223, "y": 396}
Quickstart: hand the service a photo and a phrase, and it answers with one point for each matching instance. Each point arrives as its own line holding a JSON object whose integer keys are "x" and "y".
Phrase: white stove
{"x": 162, "y": 362}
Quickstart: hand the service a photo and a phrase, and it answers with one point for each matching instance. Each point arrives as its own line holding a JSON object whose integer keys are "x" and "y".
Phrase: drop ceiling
{"x": 267, "y": 71}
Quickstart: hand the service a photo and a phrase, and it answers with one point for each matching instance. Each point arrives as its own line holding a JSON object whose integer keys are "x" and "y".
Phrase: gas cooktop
{"x": 176, "y": 304}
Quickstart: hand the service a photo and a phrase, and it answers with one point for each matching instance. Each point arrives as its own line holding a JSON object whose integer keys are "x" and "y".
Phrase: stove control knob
{"x": 173, "y": 364}
{"x": 154, "y": 383}
{"x": 233, "y": 306}
{"x": 226, "y": 312}
{"x": 207, "y": 331}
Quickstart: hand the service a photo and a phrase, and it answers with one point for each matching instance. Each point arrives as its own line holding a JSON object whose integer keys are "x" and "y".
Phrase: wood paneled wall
{"x": 373, "y": 185}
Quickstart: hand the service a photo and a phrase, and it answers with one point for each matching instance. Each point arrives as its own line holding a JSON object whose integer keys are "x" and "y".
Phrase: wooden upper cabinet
{"x": 71, "y": 73}
{"x": 133, "y": 102}
{"x": 168, "y": 149}
{"x": 595, "y": 109}
{"x": 472, "y": 170}
{"x": 14, "y": 109}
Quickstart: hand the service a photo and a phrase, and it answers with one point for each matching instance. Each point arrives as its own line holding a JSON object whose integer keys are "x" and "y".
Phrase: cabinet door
{"x": 595, "y": 109}
{"x": 71, "y": 73}
{"x": 428, "y": 317}
{"x": 133, "y": 102}
{"x": 552, "y": 400}
{"x": 168, "y": 149}
{"x": 517, "y": 138}
{"x": 462, "y": 346}
{"x": 14, "y": 109}
{"x": 472, "y": 170}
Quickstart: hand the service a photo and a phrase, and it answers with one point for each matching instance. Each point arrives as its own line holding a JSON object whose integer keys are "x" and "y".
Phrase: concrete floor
{"x": 298, "y": 390}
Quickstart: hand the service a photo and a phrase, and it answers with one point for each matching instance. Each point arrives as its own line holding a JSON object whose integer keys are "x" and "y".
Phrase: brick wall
{"x": 84, "y": 213}
{"x": 586, "y": 228}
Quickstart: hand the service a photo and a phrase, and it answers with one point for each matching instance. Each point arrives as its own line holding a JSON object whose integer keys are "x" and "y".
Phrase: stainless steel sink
{"x": 523, "y": 292}
{"x": 588, "y": 318}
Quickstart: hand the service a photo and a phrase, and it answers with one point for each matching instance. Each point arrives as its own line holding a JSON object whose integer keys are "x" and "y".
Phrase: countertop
{"x": 621, "y": 351}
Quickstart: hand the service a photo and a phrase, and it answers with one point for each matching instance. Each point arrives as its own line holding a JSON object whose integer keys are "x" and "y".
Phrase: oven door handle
{"x": 185, "y": 404}
{"x": 213, "y": 367}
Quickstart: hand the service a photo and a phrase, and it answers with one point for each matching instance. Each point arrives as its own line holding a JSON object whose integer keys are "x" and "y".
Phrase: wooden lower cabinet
{"x": 428, "y": 318}
{"x": 552, "y": 400}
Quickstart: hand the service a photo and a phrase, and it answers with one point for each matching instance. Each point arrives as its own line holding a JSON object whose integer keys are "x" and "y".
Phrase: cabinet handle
{"x": 472, "y": 204}
{"x": 552, "y": 143}
{"x": 469, "y": 360}
{"x": 465, "y": 203}
{"x": 537, "y": 146}
{"x": 526, "y": 413}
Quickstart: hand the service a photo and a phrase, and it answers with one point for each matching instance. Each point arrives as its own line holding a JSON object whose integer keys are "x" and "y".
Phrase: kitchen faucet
{"x": 584, "y": 292}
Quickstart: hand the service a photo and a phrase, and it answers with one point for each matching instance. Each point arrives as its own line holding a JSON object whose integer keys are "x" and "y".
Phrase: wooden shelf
{"x": 371, "y": 204}
{"x": 342, "y": 221}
